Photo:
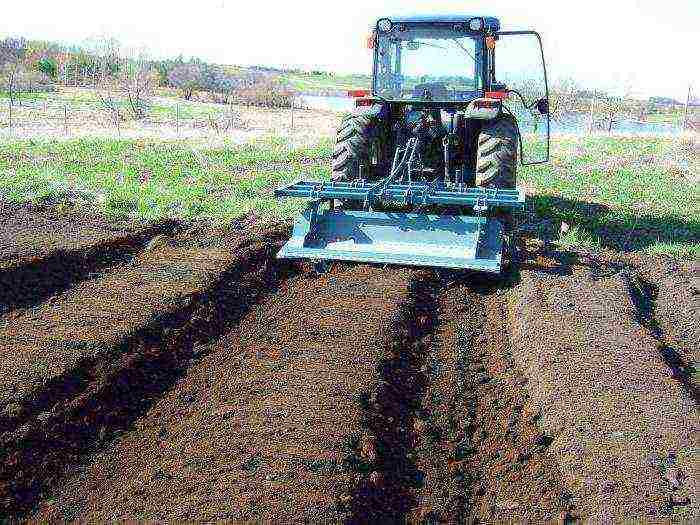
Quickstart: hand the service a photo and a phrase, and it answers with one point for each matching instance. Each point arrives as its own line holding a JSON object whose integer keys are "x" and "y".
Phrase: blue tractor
{"x": 424, "y": 170}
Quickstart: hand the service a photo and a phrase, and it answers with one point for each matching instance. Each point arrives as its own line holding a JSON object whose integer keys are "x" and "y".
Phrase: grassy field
{"x": 85, "y": 99}
{"x": 312, "y": 82}
{"x": 629, "y": 194}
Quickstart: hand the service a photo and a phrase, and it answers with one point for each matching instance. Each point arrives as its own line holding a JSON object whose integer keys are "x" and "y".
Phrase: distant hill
{"x": 665, "y": 101}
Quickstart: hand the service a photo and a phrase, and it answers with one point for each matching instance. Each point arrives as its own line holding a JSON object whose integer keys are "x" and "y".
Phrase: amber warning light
{"x": 371, "y": 40}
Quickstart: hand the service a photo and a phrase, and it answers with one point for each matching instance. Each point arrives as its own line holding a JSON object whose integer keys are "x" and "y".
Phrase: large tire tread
{"x": 355, "y": 134}
{"x": 497, "y": 155}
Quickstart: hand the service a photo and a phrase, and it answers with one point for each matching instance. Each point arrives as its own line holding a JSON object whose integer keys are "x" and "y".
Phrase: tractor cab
{"x": 441, "y": 60}
{"x": 450, "y": 62}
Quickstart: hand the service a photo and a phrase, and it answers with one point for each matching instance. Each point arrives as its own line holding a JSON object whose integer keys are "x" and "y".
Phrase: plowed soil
{"x": 168, "y": 372}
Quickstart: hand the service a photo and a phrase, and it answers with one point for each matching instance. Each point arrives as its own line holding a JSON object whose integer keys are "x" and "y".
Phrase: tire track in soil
{"x": 35, "y": 457}
{"x": 385, "y": 454}
{"x": 454, "y": 438}
{"x": 31, "y": 280}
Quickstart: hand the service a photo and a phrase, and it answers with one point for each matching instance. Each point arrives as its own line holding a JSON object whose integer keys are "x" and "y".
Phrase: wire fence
{"x": 80, "y": 110}
{"x": 70, "y": 116}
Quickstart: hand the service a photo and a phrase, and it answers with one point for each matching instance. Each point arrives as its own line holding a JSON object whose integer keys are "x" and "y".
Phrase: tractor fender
{"x": 484, "y": 108}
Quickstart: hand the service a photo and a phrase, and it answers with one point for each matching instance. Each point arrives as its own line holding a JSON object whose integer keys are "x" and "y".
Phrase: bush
{"x": 267, "y": 92}
{"x": 187, "y": 78}
{"x": 48, "y": 66}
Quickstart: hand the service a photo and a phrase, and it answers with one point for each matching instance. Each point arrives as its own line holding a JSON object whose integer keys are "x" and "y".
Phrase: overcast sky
{"x": 651, "y": 45}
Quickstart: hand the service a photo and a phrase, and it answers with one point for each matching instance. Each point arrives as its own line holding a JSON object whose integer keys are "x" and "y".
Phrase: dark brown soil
{"x": 183, "y": 373}
{"x": 481, "y": 454}
{"x": 619, "y": 402}
{"x": 30, "y": 231}
{"x": 43, "y": 252}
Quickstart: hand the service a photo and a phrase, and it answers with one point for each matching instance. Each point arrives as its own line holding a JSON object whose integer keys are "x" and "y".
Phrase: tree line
{"x": 126, "y": 80}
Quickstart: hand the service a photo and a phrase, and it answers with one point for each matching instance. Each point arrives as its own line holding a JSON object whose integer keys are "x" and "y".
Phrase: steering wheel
{"x": 436, "y": 90}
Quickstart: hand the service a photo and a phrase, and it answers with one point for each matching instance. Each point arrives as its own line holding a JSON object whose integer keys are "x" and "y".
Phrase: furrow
{"x": 643, "y": 295}
{"x": 30, "y": 280}
{"x": 391, "y": 481}
{"x": 89, "y": 404}
{"x": 260, "y": 429}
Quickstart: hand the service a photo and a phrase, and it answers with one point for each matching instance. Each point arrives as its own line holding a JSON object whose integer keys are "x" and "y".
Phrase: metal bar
{"x": 420, "y": 193}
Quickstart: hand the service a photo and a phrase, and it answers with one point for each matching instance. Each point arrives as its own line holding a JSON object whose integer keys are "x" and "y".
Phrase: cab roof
{"x": 490, "y": 23}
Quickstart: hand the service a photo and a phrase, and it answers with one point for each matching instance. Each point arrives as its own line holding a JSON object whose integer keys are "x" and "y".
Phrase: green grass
{"x": 31, "y": 97}
{"x": 151, "y": 180}
{"x": 614, "y": 193}
{"x": 618, "y": 193}
{"x": 311, "y": 82}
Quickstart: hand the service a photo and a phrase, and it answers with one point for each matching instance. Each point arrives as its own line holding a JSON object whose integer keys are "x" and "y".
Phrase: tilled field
{"x": 178, "y": 373}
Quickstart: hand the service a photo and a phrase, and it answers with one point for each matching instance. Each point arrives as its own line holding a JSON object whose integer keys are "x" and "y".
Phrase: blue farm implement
{"x": 325, "y": 231}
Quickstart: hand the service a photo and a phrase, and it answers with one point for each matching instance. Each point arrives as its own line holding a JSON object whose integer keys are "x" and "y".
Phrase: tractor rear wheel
{"x": 497, "y": 155}
{"x": 496, "y": 165}
{"x": 355, "y": 137}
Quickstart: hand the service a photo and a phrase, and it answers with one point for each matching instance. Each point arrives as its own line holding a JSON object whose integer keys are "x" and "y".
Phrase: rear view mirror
{"x": 413, "y": 46}
{"x": 543, "y": 106}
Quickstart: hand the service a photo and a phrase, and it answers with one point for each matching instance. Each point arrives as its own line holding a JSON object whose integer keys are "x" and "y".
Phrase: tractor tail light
{"x": 358, "y": 93}
{"x": 371, "y": 40}
{"x": 498, "y": 95}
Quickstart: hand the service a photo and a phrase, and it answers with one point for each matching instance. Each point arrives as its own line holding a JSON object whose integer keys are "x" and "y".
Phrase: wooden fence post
{"x": 687, "y": 104}
{"x": 65, "y": 119}
{"x": 10, "y": 113}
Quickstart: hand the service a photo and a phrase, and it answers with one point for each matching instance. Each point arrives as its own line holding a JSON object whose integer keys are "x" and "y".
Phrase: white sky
{"x": 651, "y": 45}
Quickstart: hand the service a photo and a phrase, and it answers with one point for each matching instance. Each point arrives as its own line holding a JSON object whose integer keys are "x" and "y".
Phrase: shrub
{"x": 267, "y": 92}
{"x": 187, "y": 78}
{"x": 48, "y": 66}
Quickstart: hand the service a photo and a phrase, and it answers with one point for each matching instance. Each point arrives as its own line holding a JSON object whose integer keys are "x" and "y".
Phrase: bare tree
{"x": 107, "y": 50}
{"x": 565, "y": 99}
{"x": 127, "y": 91}
{"x": 139, "y": 85}
{"x": 12, "y": 51}
{"x": 609, "y": 108}
{"x": 613, "y": 107}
